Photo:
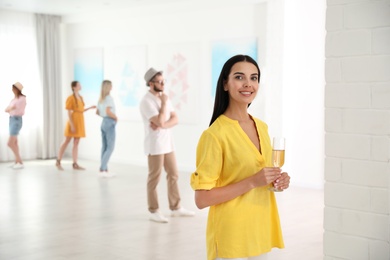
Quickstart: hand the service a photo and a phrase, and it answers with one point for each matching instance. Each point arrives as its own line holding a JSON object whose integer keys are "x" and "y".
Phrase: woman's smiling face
{"x": 242, "y": 83}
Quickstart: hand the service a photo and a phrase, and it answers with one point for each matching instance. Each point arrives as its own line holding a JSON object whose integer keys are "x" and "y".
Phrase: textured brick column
{"x": 357, "y": 124}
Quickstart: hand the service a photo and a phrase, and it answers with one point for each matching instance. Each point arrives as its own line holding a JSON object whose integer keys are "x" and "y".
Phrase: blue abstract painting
{"x": 222, "y": 50}
{"x": 128, "y": 95}
{"x": 126, "y": 66}
{"x": 88, "y": 70}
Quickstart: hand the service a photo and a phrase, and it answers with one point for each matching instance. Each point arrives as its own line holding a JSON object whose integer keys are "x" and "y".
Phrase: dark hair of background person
{"x": 18, "y": 92}
{"x": 73, "y": 85}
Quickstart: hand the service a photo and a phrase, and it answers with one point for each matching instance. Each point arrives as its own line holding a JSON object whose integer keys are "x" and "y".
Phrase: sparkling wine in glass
{"x": 278, "y": 148}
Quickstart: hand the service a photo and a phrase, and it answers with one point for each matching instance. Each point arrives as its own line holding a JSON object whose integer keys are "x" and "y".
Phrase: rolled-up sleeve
{"x": 208, "y": 163}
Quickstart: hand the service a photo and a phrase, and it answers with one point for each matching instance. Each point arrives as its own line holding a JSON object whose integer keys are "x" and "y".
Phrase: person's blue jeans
{"x": 15, "y": 124}
{"x": 108, "y": 141}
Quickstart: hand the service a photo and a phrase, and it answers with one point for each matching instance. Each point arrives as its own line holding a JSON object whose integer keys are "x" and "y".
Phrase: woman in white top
{"x": 106, "y": 109}
{"x": 16, "y": 111}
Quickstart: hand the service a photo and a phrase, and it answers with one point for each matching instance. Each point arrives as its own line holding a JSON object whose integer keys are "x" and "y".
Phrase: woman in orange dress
{"x": 75, "y": 126}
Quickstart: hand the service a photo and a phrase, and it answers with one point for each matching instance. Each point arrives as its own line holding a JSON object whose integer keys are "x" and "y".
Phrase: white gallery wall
{"x": 357, "y": 139}
{"x": 292, "y": 83}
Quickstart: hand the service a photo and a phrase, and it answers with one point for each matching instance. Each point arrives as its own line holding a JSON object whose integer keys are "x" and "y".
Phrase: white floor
{"x": 47, "y": 214}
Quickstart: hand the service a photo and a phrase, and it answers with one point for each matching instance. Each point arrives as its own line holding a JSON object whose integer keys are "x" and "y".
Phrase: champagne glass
{"x": 278, "y": 148}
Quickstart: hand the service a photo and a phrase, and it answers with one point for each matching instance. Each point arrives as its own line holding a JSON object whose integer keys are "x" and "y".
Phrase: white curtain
{"x": 48, "y": 38}
{"x": 19, "y": 62}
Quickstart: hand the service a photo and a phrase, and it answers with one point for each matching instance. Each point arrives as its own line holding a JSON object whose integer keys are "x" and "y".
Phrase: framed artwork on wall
{"x": 88, "y": 70}
{"x": 180, "y": 65}
{"x": 125, "y": 66}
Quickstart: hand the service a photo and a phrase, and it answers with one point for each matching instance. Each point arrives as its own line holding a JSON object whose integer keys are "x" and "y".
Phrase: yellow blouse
{"x": 249, "y": 224}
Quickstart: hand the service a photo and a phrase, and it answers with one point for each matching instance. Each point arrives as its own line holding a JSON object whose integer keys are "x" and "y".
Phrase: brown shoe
{"x": 58, "y": 165}
{"x": 77, "y": 167}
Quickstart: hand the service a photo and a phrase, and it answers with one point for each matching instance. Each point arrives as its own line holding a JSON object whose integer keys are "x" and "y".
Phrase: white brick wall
{"x": 357, "y": 125}
{"x": 380, "y": 95}
{"x": 339, "y": 95}
{"x": 381, "y": 41}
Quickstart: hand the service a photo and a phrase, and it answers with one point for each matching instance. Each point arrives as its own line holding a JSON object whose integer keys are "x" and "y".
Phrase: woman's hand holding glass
{"x": 278, "y": 150}
{"x": 266, "y": 176}
{"x": 282, "y": 183}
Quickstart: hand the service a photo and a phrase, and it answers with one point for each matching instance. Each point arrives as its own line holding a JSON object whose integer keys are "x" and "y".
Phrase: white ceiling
{"x": 86, "y": 10}
{"x": 74, "y": 7}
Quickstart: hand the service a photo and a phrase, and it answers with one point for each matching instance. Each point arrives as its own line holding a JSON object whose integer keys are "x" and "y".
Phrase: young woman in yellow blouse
{"x": 75, "y": 126}
{"x": 234, "y": 171}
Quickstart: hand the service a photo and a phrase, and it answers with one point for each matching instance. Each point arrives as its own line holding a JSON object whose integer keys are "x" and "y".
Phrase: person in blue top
{"x": 106, "y": 109}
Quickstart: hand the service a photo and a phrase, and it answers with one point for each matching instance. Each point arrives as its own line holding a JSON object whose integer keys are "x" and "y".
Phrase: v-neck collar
{"x": 244, "y": 135}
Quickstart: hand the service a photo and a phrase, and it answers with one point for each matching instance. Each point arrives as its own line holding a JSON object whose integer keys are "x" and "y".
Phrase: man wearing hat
{"x": 159, "y": 117}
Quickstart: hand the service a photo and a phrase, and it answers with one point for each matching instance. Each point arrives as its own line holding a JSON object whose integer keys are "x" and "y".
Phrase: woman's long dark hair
{"x": 18, "y": 92}
{"x": 221, "y": 96}
{"x": 73, "y": 84}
